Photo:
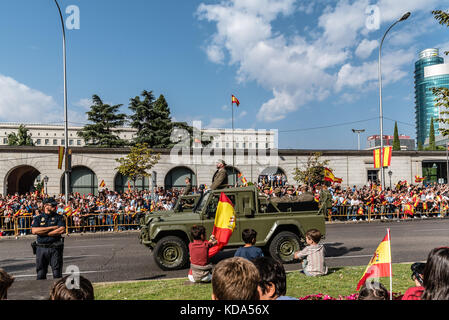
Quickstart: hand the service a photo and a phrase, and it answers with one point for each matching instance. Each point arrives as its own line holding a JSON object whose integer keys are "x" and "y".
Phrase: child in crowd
{"x": 373, "y": 291}
{"x": 200, "y": 268}
{"x": 61, "y": 291}
{"x": 235, "y": 278}
{"x": 312, "y": 256}
{"x": 6, "y": 281}
{"x": 273, "y": 280}
{"x": 249, "y": 251}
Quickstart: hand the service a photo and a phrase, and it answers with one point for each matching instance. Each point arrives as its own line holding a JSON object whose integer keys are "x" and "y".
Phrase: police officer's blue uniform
{"x": 49, "y": 249}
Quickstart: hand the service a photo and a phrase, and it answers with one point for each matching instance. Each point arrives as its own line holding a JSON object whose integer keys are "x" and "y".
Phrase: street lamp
{"x": 404, "y": 17}
{"x": 45, "y": 182}
{"x": 359, "y": 131}
{"x": 66, "y": 129}
{"x": 390, "y": 173}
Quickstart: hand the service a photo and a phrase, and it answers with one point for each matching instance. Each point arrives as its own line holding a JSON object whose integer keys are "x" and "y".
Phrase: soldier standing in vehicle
{"x": 188, "y": 187}
{"x": 220, "y": 180}
{"x": 325, "y": 199}
{"x": 49, "y": 226}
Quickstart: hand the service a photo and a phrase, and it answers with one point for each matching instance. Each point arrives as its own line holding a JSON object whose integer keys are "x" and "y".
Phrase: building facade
{"x": 45, "y": 135}
{"x": 430, "y": 72}
{"x": 22, "y": 167}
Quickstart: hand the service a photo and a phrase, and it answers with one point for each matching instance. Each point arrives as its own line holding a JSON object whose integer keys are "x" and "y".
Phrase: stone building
{"x": 22, "y": 167}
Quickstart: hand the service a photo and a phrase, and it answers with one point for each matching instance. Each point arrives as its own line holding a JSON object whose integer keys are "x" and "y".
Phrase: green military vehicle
{"x": 280, "y": 226}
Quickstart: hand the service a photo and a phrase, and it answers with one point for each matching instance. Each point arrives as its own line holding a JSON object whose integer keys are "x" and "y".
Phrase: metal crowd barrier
{"x": 371, "y": 213}
{"x": 21, "y": 225}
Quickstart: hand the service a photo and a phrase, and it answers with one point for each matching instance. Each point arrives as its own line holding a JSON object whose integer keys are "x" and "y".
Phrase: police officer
{"x": 49, "y": 226}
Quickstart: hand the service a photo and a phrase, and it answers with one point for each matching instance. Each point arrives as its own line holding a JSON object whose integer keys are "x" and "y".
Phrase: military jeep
{"x": 280, "y": 226}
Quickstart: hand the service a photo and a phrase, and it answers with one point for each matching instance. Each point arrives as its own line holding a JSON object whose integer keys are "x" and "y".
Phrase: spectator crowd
{"x": 90, "y": 213}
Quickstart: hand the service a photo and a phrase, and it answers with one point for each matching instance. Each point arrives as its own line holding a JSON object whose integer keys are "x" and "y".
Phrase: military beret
{"x": 277, "y": 190}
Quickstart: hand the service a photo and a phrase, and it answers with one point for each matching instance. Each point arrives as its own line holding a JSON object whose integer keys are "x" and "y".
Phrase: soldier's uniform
{"x": 325, "y": 201}
{"x": 289, "y": 197}
{"x": 49, "y": 249}
{"x": 220, "y": 180}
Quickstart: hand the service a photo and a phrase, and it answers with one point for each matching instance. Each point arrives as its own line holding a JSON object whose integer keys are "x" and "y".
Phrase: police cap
{"x": 50, "y": 201}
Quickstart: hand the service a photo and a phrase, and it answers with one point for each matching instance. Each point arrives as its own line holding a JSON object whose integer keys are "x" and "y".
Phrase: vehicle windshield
{"x": 202, "y": 202}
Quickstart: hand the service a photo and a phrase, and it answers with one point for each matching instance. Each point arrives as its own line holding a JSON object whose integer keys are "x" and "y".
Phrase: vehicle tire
{"x": 284, "y": 245}
{"x": 171, "y": 253}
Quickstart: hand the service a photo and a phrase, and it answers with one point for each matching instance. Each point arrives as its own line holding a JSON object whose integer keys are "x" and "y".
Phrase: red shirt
{"x": 199, "y": 251}
{"x": 413, "y": 293}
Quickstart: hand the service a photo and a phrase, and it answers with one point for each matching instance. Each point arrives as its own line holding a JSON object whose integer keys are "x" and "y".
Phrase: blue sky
{"x": 295, "y": 66}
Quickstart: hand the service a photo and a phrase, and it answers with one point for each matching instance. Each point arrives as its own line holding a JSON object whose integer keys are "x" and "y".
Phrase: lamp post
{"x": 390, "y": 173}
{"x": 66, "y": 130}
{"x": 359, "y": 131}
{"x": 45, "y": 183}
{"x": 404, "y": 17}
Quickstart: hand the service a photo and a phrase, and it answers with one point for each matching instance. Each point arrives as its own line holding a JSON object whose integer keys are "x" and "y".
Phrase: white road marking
{"x": 344, "y": 257}
{"x": 49, "y": 274}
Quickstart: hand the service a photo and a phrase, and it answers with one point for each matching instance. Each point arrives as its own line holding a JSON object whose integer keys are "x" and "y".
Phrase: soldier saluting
{"x": 49, "y": 245}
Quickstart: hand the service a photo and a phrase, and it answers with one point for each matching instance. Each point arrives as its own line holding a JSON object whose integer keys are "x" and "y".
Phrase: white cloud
{"x": 84, "y": 103}
{"x": 299, "y": 69}
{"x": 219, "y": 123}
{"x": 365, "y": 48}
{"x": 20, "y": 103}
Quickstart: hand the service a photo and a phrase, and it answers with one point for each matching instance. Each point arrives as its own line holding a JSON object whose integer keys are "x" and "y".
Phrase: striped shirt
{"x": 315, "y": 259}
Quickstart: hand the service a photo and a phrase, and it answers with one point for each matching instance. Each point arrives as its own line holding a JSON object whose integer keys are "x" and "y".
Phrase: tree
{"x": 138, "y": 162}
{"x": 103, "y": 132}
{"x": 420, "y": 146}
{"x": 22, "y": 138}
{"x": 152, "y": 119}
{"x": 396, "y": 142}
{"x": 442, "y": 94}
{"x": 313, "y": 171}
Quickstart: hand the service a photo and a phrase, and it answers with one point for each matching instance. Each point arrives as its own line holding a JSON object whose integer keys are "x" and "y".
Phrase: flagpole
{"x": 233, "y": 165}
{"x": 391, "y": 272}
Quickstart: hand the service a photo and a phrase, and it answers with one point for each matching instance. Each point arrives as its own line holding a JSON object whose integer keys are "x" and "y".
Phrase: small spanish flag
{"x": 102, "y": 184}
{"x": 235, "y": 100}
{"x": 380, "y": 263}
{"x": 328, "y": 175}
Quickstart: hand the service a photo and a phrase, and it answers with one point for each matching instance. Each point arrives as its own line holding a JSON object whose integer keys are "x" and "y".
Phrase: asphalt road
{"x": 106, "y": 257}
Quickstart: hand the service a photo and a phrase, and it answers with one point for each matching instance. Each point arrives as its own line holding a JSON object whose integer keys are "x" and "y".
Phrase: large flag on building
{"x": 235, "y": 100}
{"x": 380, "y": 263}
{"x": 377, "y": 158}
{"x": 386, "y": 156}
{"x": 224, "y": 224}
{"x": 60, "y": 157}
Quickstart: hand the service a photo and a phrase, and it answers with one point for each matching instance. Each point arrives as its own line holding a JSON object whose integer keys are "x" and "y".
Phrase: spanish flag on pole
{"x": 224, "y": 224}
{"x": 235, "y": 100}
{"x": 380, "y": 263}
{"x": 377, "y": 158}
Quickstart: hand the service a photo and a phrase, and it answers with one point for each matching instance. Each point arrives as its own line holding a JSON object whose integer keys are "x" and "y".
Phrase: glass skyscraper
{"x": 430, "y": 72}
